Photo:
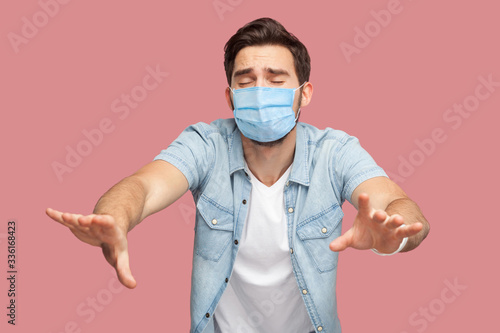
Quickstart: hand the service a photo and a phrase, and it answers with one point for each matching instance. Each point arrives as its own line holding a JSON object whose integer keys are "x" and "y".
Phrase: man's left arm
{"x": 383, "y": 207}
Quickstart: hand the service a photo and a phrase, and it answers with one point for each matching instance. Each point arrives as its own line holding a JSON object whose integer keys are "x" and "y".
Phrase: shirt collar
{"x": 236, "y": 158}
{"x": 300, "y": 167}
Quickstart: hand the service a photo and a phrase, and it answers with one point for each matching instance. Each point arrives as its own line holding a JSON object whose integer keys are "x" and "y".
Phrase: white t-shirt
{"x": 262, "y": 295}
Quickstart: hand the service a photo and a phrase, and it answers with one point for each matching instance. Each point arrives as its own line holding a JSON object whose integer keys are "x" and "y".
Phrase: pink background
{"x": 394, "y": 91}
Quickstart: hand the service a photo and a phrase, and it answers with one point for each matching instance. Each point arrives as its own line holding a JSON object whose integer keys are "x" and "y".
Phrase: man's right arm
{"x": 149, "y": 190}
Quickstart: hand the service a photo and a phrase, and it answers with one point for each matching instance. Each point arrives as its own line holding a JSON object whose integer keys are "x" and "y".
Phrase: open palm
{"x": 103, "y": 231}
{"x": 375, "y": 229}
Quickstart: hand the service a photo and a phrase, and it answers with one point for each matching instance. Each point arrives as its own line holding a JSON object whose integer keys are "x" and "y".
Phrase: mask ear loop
{"x": 298, "y": 112}
{"x": 300, "y": 86}
{"x": 232, "y": 100}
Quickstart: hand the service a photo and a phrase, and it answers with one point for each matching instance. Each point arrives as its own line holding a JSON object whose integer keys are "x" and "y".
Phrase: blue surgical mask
{"x": 264, "y": 114}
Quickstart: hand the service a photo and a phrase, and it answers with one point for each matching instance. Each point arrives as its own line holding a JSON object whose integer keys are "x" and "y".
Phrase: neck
{"x": 268, "y": 164}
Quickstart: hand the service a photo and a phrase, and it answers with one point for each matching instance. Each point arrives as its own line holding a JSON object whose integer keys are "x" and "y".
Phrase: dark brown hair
{"x": 266, "y": 31}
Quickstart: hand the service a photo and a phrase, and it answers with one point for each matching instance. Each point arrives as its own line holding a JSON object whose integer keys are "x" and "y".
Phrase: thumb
{"x": 123, "y": 270}
{"x": 342, "y": 242}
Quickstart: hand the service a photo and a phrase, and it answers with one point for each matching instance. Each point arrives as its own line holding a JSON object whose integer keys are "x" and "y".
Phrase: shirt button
{"x": 291, "y": 250}
{"x": 207, "y": 315}
{"x": 323, "y": 230}
{"x": 320, "y": 328}
{"x": 236, "y": 242}
{"x": 244, "y": 202}
{"x": 227, "y": 280}
{"x": 214, "y": 221}
{"x": 287, "y": 183}
{"x": 304, "y": 291}
{"x": 290, "y": 210}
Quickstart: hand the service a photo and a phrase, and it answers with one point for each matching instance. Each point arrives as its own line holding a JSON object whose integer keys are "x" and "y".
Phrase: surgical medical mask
{"x": 264, "y": 114}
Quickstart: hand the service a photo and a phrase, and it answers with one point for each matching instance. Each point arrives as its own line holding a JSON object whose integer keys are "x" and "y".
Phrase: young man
{"x": 268, "y": 193}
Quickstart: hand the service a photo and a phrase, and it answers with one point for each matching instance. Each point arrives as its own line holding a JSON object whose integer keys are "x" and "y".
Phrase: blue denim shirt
{"x": 328, "y": 165}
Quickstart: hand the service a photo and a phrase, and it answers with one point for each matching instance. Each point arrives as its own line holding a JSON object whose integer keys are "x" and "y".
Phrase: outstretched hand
{"x": 375, "y": 229}
{"x": 103, "y": 231}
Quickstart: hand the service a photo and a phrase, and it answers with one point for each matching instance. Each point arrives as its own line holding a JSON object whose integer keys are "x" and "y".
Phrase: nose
{"x": 260, "y": 82}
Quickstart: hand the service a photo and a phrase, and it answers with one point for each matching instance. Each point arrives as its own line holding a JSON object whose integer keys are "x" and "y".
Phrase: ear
{"x": 307, "y": 92}
{"x": 229, "y": 99}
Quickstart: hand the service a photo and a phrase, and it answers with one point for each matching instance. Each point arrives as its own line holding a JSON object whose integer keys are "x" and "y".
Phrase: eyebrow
{"x": 242, "y": 72}
{"x": 275, "y": 71}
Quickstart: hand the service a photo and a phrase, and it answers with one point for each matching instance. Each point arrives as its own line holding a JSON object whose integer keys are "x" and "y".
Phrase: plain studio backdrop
{"x": 92, "y": 90}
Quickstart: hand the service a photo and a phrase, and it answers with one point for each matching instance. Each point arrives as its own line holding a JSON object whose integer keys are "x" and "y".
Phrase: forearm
{"x": 411, "y": 214}
{"x": 125, "y": 202}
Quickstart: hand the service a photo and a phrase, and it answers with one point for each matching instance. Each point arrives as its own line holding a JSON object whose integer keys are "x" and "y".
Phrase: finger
{"x": 109, "y": 255}
{"x": 394, "y": 221}
{"x": 123, "y": 270}
{"x": 103, "y": 220}
{"x": 86, "y": 220}
{"x": 364, "y": 204}
{"x": 55, "y": 215}
{"x": 409, "y": 230}
{"x": 103, "y": 228}
{"x": 342, "y": 242}
{"x": 99, "y": 226}
{"x": 380, "y": 216}
{"x": 70, "y": 219}
{"x": 65, "y": 219}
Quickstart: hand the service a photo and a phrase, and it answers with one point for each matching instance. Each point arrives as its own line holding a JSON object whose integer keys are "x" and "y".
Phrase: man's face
{"x": 265, "y": 66}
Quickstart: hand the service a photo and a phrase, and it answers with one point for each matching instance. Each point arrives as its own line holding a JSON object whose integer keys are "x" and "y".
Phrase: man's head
{"x": 263, "y": 53}
{"x": 266, "y": 31}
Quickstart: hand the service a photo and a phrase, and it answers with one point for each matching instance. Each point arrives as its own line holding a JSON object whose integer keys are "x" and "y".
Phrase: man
{"x": 268, "y": 192}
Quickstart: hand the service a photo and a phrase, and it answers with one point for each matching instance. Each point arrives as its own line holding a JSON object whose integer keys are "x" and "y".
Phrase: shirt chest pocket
{"x": 214, "y": 229}
{"x": 317, "y": 232}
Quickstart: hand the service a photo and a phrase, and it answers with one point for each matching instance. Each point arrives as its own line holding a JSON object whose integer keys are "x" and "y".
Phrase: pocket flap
{"x": 321, "y": 225}
{"x": 216, "y": 216}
